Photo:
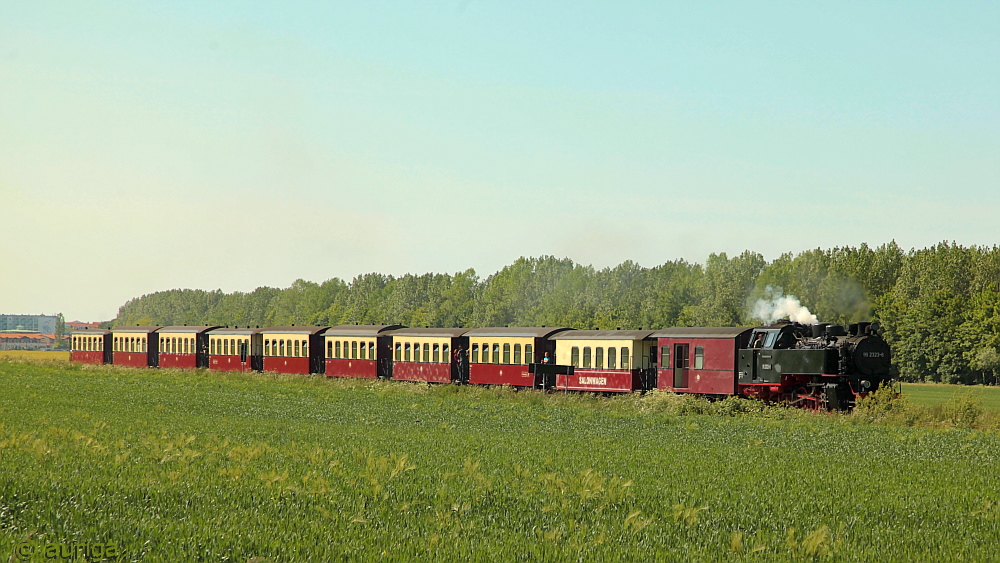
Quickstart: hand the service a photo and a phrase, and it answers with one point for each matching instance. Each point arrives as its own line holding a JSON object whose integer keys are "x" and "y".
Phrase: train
{"x": 819, "y": 366}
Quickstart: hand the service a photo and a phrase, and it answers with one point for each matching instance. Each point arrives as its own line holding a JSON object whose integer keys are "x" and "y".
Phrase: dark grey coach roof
{"x": 360, "y": 330}
{"x": 87, "y": 330}
{"x": 452, "y": 332}
{"x": 186, "y": 328}
{"x": 143, "y": 329}
{"x": 295, "y": 329}
{"x": 701, "y": 332}
{"x": 603, "y": 335}
{"x": 235, "y": 331}
{"x": 515, "y": 331}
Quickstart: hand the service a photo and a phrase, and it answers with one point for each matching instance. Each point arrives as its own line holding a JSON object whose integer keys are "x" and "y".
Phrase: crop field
{"x": 36, "y": 354}
{"x": 182, "y": 466}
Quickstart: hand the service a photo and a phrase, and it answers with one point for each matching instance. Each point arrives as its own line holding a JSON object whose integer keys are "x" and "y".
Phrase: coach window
{"x": 329, "y": 348}
{"x": 354, "y": 349}
{"x": 496, "y": 354}
{"x": 517, "y": 353}
{"x": 363, "y": 349}
{"x": 427, "y": 352}
{"x": 281, "y": 348}
{"x": 336, "y": 349}
{"x": 445, "y": 358}
{"x": 575, "y": 356}
{"x": 436, "y": 354}
{"x": 529, "y": 355}
{"x": 599, "y": 358}
{"x": 371, "y": 350}
{"x": 305, "y": 348}
{"x": 625, "y": 358}
{"x": 144, "y": 343}
{"x": 399, "y": 352}
{"x": 475, "y": 353}
{"x": 699, "y": 357}
{"x": 406, "y": 352}
{"x": 506, "y": 353}
{"x": 211, "y": 346}
{"x": 612, "y": 360}
{"x": 587, "y": 353}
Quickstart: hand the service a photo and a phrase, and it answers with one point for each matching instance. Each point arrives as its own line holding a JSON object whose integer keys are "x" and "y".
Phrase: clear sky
{"x": 146, "y": 146}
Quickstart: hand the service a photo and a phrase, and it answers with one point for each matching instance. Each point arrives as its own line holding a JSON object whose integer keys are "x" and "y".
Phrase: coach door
{"x": 680, "y": 366}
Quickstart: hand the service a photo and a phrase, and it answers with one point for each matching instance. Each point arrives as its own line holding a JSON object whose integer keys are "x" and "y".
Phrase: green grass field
{"x": 930, "y": 394}
{"x": 185, "y": 466}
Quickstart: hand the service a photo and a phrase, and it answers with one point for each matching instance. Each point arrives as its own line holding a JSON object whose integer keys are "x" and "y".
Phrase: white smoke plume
{"x": 776, "y": 306}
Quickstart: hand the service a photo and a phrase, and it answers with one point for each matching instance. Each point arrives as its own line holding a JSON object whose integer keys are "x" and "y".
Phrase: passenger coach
{"x": 359, "y": 351}
{"x": 91, "y": 346}
{"x": 700, "y": 359}
{"x": 501, "y": 355}
{"x": 135, "y": 346}
{"x": 236, "y": 349}
{"x": 184, "y": 347}
{"x": 428, "y": 354}
{"x": 606, "y": 360}
{"x": 293, "y": 349}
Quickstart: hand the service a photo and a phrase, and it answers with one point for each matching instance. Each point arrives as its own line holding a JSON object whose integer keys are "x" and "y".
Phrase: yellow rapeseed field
{"x": 35, "y": 354}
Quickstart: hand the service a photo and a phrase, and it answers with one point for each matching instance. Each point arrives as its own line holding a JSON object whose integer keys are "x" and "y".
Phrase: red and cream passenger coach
{"x": 358, "y": 351}
{"x": 91, "y": 346}
{"x": 293, "y": 349}
{"x": 501, "y": 355}
{"x": 184, "y": 347}
{"x": 136, "y": 346}
{"x": 235, "y": 349}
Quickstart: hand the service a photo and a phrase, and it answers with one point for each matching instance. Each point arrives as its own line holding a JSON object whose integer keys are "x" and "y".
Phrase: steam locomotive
{"x": 817, "y": 366}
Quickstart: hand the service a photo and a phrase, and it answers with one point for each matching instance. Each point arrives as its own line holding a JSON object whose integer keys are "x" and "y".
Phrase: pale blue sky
{"x": 148, "y": 146}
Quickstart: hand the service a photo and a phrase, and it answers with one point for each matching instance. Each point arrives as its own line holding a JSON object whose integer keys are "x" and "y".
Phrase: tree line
{"x": 939, "y": 306}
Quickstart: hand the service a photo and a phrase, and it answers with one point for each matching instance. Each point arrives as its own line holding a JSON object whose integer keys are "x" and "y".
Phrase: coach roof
{"x": 701, "y": 332}
{"x": 360, "y": 330}
{"x": 235, "y": 331}
{"x": 294, "y": 329}
{"x": 603, "y": 335}
{"x": 186, "y": 328}
{"x": 88, "y": 330}
{"x": 444, "y": 332}
{"x": 514, "y": 332}
{"x": 143, "y": 329}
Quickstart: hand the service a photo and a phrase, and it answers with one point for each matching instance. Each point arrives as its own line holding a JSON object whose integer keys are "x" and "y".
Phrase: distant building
{"x": 43, "y": 324}
{"x": 25, "y": 341}
{"x": 77, "y": 325}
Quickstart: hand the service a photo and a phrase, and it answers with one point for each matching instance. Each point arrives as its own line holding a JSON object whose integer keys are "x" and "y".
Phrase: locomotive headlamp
{"x": 865, "y": 384}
